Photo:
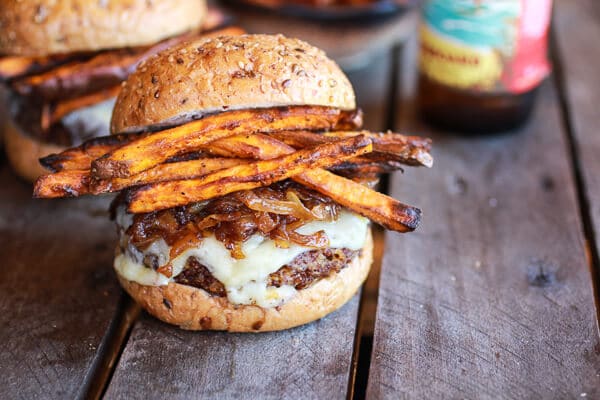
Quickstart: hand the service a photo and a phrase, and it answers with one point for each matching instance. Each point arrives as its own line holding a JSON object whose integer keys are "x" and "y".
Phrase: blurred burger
{"x": 245, "y": 199}
{"x": 62, "y": 62}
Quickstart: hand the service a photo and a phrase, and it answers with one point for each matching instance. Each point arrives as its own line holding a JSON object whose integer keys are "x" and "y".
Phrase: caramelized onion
{"x": 275, "y": 212}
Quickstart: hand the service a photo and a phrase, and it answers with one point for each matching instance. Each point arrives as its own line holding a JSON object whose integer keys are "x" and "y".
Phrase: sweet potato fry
{"x": 384, "y": 210}
{"x": 244, "y": 177}
{"x": 62, "y": 184}
{"x": 166, "y": 172}
{"x": 152, "y": 150}
{"x": 409, "y": 150}
{"x": 376, "y": 206}
{"x": 250, "y": 146}
{"x": 81, "y": 157}
{"x": 12, "y": 67}
{"x": 108, "y": 68}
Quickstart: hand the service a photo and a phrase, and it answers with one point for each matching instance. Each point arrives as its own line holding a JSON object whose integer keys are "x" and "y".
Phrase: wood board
{"x": 58, "y": 293}
{"x": 576, "y": 33}
{"x": 492, "y": 296}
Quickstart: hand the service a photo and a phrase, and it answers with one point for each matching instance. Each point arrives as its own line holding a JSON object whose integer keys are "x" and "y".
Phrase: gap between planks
{"x": 363, "y": 341}
{"x": 111, "y": 348}
{"x": 591, "y": 251}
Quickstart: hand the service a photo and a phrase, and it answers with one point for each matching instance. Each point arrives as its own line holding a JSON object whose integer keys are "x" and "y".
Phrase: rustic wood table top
{"x": 495, "y": 296}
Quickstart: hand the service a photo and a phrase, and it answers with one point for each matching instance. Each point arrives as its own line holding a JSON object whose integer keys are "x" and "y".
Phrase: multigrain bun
{"x": 194, "y": 309}
{"x": 228, "y": 73}
{"x": 23, "y": 151}
{"x": 43, "y": 27}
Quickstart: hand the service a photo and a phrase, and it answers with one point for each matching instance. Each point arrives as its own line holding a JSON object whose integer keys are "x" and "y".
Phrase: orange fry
{"x": 62, "y": 184}
{"x": 152, "y": 150}
{"x": 15, "y": 66}
{"x": 382, "y": 209}
{"x": 166, "y": 172}
{"x": 81, "y": 157}
{"x": 244, "y": 177}
{"x": 410, "y": 150}
{"x": 78, "y": 77}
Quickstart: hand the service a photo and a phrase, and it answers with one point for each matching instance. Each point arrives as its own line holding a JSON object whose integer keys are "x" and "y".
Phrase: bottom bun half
{"x": 194, "y": 309}
{"x": 23, "y": 151}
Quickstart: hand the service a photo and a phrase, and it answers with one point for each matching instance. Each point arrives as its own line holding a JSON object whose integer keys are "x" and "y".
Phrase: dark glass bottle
{"x": 481, "y": 62}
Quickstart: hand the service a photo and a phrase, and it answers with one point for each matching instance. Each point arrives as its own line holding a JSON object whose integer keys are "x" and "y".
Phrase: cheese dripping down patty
{"x": 245, "y": 280}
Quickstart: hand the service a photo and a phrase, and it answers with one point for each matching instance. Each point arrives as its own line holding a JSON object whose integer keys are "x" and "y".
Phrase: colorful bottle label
{"x": 486, "y": 45}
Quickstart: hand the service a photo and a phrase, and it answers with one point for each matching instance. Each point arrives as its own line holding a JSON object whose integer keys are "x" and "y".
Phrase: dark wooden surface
{"x": 310, "y": 362}
{"x": 57, "y": 292}
{"x": 577, "y": 31}
{"x": 492, "y": 297}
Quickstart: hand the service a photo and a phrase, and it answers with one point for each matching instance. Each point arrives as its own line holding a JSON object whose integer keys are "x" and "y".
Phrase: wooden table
{"x": 493, "y": 297}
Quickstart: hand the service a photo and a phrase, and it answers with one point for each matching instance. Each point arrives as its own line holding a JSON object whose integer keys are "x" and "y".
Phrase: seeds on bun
{"x": 229, "y": 73}
{"x": 46, "y": 27}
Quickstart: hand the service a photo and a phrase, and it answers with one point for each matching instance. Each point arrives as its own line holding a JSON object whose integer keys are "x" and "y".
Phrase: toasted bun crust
{"x": 226, "y": 73}
{"x": 38, "y": 28}
{"x": 194, "y": 309}
{"x": 23, "y": 151}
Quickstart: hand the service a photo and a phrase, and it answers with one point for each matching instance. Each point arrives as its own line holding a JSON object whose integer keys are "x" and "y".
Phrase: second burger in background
{"x": 63, "y": 62}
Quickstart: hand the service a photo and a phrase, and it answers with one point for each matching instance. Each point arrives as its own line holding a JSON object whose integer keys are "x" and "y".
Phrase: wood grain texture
{"x": 491, "y": 298}
{"x": 577, "y": 29}
{"x": 310, "y": 362}
{"x": 58, "y": 291}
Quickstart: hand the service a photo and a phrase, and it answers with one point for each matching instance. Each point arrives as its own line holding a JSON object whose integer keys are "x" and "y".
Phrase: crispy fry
{"x": 363, "y": 165}
{"x": 12, "y": 67}
{"x": 409, "y": 150}
{"x": 166, "y": 172}
{"x": 72, "y": 183}
{"x": 81, "y": 157}
{"x": 150, "y": 151}
{"x": 108, "y": 68}
{"x": 62, "y": 184}
{"x": 250, "y": 146}
{"x": 244, "y": 177}
{"x": 384, "y": 210}
{"x": 376, "y": 206}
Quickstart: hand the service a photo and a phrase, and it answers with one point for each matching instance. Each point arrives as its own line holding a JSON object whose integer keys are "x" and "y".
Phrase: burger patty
{"x": 301, "y": 272}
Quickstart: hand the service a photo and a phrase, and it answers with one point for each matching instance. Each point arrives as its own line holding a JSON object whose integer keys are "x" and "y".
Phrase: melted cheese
{"x": 245, "y": 280}
{"x": 90, "y": 121}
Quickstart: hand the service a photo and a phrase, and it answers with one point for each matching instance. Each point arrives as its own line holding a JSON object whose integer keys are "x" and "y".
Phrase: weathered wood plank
{"x": 577, "y": 29}
{"x": 58, "y": 293}
{"x": 492, "y": 296}
{"x": 311, "y": 362}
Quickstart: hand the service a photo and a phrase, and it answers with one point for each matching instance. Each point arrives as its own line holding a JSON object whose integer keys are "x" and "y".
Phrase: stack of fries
{"x": 318, "y": 147}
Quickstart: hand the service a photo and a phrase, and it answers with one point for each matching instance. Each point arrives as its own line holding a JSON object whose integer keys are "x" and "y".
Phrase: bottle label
{"x": 486, "y": 45}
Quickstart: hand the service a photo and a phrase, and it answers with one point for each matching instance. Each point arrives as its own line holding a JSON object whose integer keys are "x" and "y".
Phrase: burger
{"x": 62, "y": 63}
{"x": 245, "y": 184}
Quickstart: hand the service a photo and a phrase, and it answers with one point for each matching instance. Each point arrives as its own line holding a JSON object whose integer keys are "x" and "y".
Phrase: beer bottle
{"x": 481, "y": 62}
